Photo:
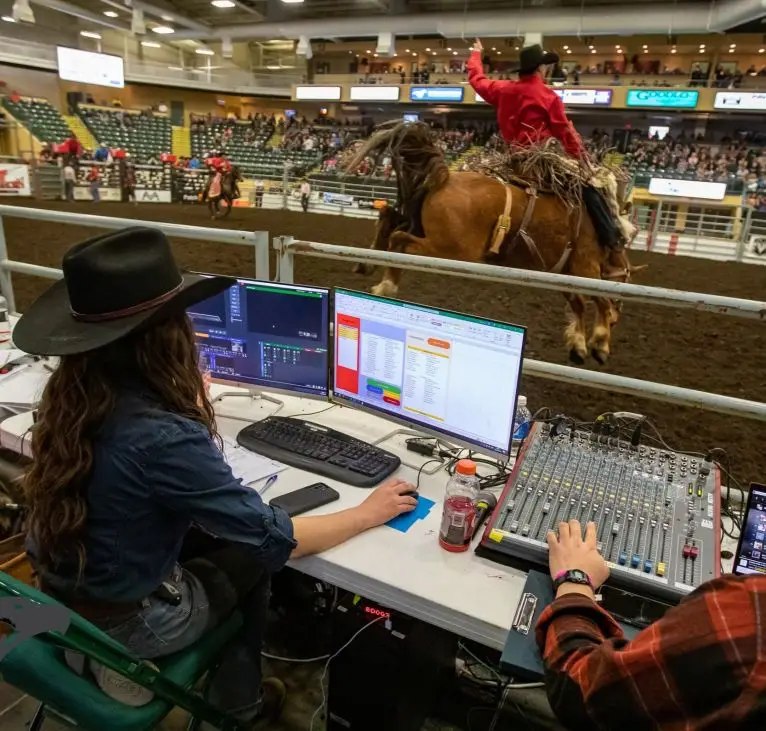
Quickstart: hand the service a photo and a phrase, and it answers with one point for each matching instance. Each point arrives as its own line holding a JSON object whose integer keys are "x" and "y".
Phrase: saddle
{"x": 502, "y": 245}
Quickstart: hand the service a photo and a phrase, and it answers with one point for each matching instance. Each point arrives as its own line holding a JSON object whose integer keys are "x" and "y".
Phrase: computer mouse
{"x": 411, "y": 493}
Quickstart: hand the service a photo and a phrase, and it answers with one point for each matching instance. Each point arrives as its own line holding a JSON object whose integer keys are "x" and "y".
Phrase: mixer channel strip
{"x": 655, "y": 511}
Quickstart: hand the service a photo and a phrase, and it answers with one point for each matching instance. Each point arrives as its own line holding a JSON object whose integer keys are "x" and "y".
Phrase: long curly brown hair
{"x": 80, "y": 395}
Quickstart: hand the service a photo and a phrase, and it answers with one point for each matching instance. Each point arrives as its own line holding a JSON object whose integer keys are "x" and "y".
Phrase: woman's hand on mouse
{"x": 388, "y": 501}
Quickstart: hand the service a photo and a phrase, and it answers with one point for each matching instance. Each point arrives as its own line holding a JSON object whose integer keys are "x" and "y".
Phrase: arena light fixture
{"x": 204, "y": 52}
{"x": 433, "y": 53}
{"x": 733, "y": 45}
{"x": 151, "y": 44}
{"x": 493, "y": 48}
{"x": 90, "y": 34}
{"x": 645, "y": 47}
{"x": 454, "y": 53}
{"x": 569, "y": 50}
{"x": 167, "y": 18}
{"x": 515, "y": 48}
{"x": 593, "y": 50}
{"x": 617, "y": 47}
{"x": 673, "y": 50}
{"x": 499, "y": 53}
{"x": 731, "y": 50}
{"x": 414, "y": 54}
{"x": 175, "y": 68}
{"x": 8, "y": 19}
{"x": 428, "y": 50}
{"x": 224, "y": 3}
{"x": 163, "y": 30}
{"x": 761, "y": 50}
{"x": 449, "y": 49}
{"x": 566, "y": 48}
{"x": 374, "y": 55}
{"x": 111, "y": 14}
{"x": 646, "y": 50}
{"x": 292, "y": 2}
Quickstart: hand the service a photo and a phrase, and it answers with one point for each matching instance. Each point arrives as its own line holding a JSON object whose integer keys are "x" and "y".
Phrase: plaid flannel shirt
{"x": 702, "y": 667}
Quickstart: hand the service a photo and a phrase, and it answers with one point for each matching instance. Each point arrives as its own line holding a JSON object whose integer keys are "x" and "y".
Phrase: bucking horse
{"x": 474, "y": 217}
{"x": 221, "y": 191}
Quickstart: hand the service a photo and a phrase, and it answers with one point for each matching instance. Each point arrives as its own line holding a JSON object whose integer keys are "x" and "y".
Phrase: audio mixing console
{"x": 657, "y": 512}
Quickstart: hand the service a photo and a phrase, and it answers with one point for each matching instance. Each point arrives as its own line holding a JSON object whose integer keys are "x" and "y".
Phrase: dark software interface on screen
{"x": 751, "y": 554}
{"x": 265, "y": 334}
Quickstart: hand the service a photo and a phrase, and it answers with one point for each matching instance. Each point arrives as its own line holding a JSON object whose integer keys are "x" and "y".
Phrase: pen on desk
{"x": 269, "y": 482}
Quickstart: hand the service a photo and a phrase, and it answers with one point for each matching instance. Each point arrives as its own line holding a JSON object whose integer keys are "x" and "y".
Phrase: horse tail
{"x": 419, "y": 164}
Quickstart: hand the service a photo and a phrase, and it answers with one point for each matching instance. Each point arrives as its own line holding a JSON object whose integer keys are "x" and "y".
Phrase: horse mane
{"x": 418, "y": 163}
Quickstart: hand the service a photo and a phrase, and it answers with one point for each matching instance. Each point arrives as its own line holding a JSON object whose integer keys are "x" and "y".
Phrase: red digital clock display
{"x": 377, "y": 612}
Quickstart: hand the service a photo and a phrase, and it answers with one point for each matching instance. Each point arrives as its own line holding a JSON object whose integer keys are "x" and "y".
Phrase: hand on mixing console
{"x": 569, "y": 551}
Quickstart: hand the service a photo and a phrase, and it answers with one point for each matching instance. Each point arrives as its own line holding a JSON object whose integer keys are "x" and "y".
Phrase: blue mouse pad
{"x": 405, "y": 521}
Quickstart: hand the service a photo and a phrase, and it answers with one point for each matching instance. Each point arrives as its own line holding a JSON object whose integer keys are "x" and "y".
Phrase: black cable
{"x": 314, "y": 413}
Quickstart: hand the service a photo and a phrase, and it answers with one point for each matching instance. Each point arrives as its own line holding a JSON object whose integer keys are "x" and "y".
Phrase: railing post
{"x": 261, "y": 245}
{"x": 744, "y": 235}
{"x": 285, "y": 192}
{"x": 282, "y": 245}
{"x": 6, "y": 284}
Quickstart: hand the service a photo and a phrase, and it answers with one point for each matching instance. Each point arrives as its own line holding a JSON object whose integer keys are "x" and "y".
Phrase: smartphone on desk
{"x": 305, "y": 499}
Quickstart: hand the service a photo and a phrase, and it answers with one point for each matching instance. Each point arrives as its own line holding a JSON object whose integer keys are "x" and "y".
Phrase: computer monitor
{"x": 448, "y": 374}
{"x": 266, "y": 335}
{"x": 751, "y": 550}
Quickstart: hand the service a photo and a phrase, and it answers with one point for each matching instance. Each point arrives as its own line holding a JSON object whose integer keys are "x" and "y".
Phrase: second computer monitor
{"x": 443, "y": 372}
{"x": 266, "y": 335}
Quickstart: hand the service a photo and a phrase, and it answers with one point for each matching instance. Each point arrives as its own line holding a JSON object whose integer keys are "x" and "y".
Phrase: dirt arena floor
{"x": 707, "y": 352}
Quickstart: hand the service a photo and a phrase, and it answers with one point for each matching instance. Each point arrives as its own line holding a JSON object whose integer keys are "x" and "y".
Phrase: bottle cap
{"x": 466, "y": 467}
{"x": 522, "y": 401}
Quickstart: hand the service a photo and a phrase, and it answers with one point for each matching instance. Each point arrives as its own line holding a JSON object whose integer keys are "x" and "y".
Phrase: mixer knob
{"x": 630, "y": 516}
{"x": 546, "y": 508}
{"x": 615, "y": 528}
{"x": 515, "y": 526}
{"x": 653, "y": 523}
{"x": 641, "y": 519}
{"x": 525, "y": 529}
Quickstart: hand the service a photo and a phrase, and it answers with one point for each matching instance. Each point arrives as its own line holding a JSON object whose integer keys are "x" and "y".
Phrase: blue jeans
{"x": 216, "y": 579}
{"x": 94, "y": 191}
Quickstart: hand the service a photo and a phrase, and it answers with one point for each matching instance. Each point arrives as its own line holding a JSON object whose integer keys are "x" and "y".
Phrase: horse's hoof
{"x": 575, "y": 357}
{"x": 600, "y": 356}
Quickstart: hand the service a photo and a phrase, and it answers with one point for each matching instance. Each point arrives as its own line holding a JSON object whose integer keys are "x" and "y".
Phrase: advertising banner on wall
{"x": 436, "y": 94}
{"x": 152, "y": 196}
{"x": 742, "y": 101}
{"x": 338, "y": 199}
{"x": 664, "y": 98}
{"x": 14, "y": 180}
{"x": 687, "y": 189}
{"x": 82, "y": 193}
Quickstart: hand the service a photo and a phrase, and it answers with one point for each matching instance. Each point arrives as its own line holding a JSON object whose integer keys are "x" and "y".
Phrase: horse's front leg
{"x": 402, "y": 242}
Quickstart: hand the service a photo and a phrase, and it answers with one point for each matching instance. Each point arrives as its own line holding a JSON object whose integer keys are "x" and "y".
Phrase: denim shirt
{"x": 154, "y": 474}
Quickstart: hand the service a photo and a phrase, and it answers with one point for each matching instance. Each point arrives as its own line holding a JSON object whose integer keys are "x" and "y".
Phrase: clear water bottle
{"x": 5, "y": 324}
{"x": 522, "y": 422}
{"x": 459, "y": 515}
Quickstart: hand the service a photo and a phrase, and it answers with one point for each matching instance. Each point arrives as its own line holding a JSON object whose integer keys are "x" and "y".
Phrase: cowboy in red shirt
{"x": 528, "y": 111}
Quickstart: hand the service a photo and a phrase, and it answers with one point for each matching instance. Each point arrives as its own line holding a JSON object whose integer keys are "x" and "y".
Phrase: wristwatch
{"x": 572, "y": 576}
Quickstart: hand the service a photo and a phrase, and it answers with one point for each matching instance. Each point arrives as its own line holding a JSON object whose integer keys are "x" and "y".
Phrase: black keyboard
{"x": 315, "y": 448}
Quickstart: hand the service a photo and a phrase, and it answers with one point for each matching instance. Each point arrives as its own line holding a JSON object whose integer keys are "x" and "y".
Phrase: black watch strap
{"x": 572, "y": 576}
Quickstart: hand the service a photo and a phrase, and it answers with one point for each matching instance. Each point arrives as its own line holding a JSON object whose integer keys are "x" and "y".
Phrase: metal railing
{"x": 288, "y": 248}
{"x": 258, "y": 240}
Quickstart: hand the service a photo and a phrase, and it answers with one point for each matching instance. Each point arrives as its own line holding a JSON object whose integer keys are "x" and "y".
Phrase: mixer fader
{"x": 656, "y": 512}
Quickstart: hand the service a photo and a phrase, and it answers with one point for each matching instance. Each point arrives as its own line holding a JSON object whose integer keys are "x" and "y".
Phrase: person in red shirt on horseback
{"x": 528, "y": 110}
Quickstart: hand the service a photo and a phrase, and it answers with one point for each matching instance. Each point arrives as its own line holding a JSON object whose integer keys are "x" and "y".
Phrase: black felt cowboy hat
{"x": 113, "y": 285}
{"x": 532, "y": 57}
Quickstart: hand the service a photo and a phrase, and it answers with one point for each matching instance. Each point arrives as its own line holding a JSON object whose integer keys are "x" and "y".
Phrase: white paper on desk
{"x": 23, "y": 386}
{"x": 249, "y": 465}
{"x": 11, "y": 355}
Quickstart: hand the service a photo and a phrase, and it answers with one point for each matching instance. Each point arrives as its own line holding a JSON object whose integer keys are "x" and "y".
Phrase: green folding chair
{"x": 37, "y": 667}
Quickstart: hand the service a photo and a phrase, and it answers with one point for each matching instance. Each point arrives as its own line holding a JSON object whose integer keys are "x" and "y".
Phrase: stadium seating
{"x": 242, "y": 147}
{"x": 40, "y": 117}
{"x": 144, "y": 136}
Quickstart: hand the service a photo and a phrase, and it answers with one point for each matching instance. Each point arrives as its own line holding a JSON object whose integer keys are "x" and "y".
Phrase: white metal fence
{"x": 287, "y": 248}
{"x": 258, "y": 240}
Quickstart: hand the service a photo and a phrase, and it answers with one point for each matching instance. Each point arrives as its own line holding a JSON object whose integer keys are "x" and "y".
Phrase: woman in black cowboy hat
{"x": 127, "y": 459}
{"x": 528, "y": 110}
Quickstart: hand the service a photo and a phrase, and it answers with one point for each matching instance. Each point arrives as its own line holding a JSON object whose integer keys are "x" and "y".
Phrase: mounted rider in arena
{"x": 530, "y": 112}
{"x": 219, "y": 166}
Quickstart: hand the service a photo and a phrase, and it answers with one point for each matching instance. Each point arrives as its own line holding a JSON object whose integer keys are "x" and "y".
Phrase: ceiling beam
{"x": 699, "y": 17}
{"x": 77, "y": 12}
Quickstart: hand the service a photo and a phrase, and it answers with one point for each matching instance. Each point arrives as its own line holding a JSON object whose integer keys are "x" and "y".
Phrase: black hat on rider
{"x": 532, "y": 57}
